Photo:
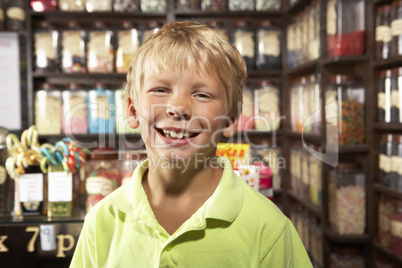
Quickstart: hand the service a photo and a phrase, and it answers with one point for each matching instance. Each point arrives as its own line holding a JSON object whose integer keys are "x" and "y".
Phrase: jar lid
{"x": 73, "y": 24}
{"x": 99, "y": 24}
{"x": 265, "y": 82}
{"x": 133, "y": 155}
{"x": 396, "y": 3}
{"x": 384, "y": 9}
{"x": 347, "y": 165}
{"x": 45, "y": 24}
{"x": 128, "y": 24}
{"x": 74, "y": 86}
{"x": 385, "y": 73}
{"x": 386, "y": 137}
{"x": 242, "y": 23}
{"x": 102, "y": 154}
{"x": 340, "y": 78}
{"x": 266, "y": 23}
{"x": 47, "y": 86}
{"x": 397, "y": 71}
{"x": 154, "y": 24}
{"x": 214, "y": 23}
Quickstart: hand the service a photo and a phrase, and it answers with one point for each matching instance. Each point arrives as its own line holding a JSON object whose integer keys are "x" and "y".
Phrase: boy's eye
{"x": 202, "y": 96}
{"x": 159, "y": 90}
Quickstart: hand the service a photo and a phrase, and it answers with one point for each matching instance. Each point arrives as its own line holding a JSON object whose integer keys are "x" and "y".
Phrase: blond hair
{"x": 170, "y": 49}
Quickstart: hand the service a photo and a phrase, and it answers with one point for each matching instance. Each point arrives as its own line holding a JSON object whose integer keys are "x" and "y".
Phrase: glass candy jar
{"x": 100, "y": 55}
{"x": 396, "y": 29}
{"x": 268, "y": 46}
{"x": 188, "y": 4}
{"x": 240, "y": 5}
{"x": 345, "y": 27}
{"x": 244, "y": 40}
{"x": 101, "y": 110}
{"x": 266, "y": 103}
{"x": 75, "y": 117}
{"x": 344, "y": 102}
{"x": 46, "y": 48}
{"x": 346, "y": 258}
{"x": 102, "y": 175}
{"x": 48, "y": 110}
{"x": 126, "y": 5}
{"x": 383, "y": 36}
{"x": 72, "y": 5}
{"x": 73, "y": 57}
{"x": 347, "y": 199}
{"x": 128, "y": 41}
{"x": 98, "y": 6}
{"x": 213, "y": 5}
{"x": 44, "y": 5}
{"x": 153, "y": 5}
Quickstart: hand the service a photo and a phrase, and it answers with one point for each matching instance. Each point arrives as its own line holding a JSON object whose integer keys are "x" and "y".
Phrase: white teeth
{"x": 174, "y": 134}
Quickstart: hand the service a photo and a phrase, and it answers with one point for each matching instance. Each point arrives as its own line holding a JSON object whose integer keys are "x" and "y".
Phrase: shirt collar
{"x": 224, "y": 204}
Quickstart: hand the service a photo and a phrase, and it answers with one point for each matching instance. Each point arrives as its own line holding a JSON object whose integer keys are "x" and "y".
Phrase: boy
{"x": 184, "y": 206}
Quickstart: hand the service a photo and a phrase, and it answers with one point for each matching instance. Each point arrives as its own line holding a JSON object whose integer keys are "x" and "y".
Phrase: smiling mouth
{"x": 177, "y": 134}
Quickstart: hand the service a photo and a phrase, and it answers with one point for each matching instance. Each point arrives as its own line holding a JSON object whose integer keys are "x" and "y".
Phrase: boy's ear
{"x": 230, "y": 128}
{"x": 132, "y": 115}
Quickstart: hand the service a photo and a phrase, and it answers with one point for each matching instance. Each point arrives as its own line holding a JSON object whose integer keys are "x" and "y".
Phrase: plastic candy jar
{"x": 128, "y": 41}
{"x": 345, "y": 115}
{"x": 101, "y": 109}
{"x": 75, "y": 111}
{"x": 347, "y": 200}
{"x": 345, "y": 27}
{"x": 102, "y": 175}
{"x": 48, "y": 110}
{"x": 100, "y": 55}
{"x": 46, "y": 48}
{"x": 268, "y": 46}
{"x": 73, "y": 57}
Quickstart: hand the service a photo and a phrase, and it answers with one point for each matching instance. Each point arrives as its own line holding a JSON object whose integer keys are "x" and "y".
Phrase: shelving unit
{"x": 364, "y": 66}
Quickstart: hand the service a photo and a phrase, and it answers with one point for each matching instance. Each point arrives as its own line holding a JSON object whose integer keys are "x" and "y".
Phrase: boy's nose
{"x": 177, "y": 112}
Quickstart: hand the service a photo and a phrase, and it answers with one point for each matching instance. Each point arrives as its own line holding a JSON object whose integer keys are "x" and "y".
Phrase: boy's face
{"x": 181, "y": 116}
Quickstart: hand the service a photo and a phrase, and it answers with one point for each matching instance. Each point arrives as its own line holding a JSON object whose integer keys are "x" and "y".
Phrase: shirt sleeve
{"x": 288, "y": 251}
{"x": 84, "y": 254}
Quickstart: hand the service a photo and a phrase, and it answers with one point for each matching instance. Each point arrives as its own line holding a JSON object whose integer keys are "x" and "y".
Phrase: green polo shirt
{"x": 236, "y": 227}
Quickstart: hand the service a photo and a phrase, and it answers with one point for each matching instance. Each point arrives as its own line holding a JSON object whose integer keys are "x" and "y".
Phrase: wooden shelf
{"x": 304, "y": 69}
{"x": 312, "y": 138}
{"x": 228, "y": 14}
{"x": 347, "y": 239}
{"x": 298, "y": 6}
{"x": 388, "y": 253}
{"x": 90, "y": 16}
{"x": 343, "y": 60}
{"x": 387, "y": 191}
{"x": 388, "y": 126}
{"x": 264, "y": 73}
{"x": 382, "y": 2}
{"x": 306, "y": 204}
{"x": 389, "y": 63}
{"x": 357, "y": 149}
